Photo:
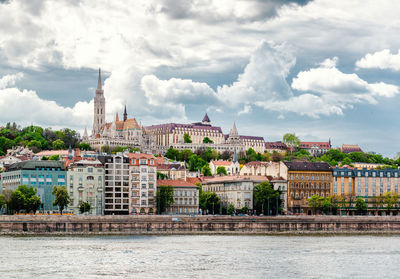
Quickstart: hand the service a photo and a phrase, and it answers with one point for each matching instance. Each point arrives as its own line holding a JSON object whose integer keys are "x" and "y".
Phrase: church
{"x": 124, "y": 132}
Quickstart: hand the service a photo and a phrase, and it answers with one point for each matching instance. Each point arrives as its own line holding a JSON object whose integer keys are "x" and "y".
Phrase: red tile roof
{"x": 222, "y": 163}
{"x": 193, "y": 180}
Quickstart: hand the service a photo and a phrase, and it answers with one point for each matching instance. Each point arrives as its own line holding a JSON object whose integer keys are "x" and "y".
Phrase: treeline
{"x": 36, "y": 138}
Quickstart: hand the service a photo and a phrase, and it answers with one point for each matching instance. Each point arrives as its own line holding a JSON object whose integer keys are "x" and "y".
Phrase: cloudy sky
{"x": 322, "y": 69}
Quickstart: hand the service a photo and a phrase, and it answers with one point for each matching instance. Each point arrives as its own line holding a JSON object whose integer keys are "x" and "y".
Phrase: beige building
{"x": 232, "y": 168}
{"x": 255, "y": 168}
{"x": 173, "y": 171}
{"x": 142, "y": 183}
{"x": 186, "y": 196}
{"x": 85, "y": 183}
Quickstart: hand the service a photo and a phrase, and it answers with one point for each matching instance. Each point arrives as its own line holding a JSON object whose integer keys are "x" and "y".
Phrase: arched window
{"x": 90, "y": 177}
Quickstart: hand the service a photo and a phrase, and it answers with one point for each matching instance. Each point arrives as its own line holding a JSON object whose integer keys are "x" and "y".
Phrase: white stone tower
{"x": 99, "y": 115}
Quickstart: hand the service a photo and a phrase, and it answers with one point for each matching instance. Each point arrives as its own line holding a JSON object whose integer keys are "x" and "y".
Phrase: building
{"x": 116, "y": 184}
{"x": 368, "y": 184}
{"x": 186, "y": 196}
{"x": 6, "y": 161}
{"x": 367, "y": 165}
{"x": 85, "y": 183}
{"x": 276, "y": 146}
{"x": 125, "y": 132}
{"x": 349, "y": 148}
{"x": 306, "y": 179}
{"x": 173, "y": 171}
{"x": 41, "y": 175}
{"x": 172, "y": 135}
{"x": 142, "y": 183}
{"x": 232, "y": 168}
{"x": 255, "y": 168}
{"x": 316, "y": 148}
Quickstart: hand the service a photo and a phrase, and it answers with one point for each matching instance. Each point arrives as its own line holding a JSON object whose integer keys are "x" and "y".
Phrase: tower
{"x": 125, "y": 114}
{"x": 99, "y": 115}
{"x": 206, "y": 120}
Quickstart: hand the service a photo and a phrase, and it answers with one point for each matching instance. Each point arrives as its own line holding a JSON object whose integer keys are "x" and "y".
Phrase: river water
{"x": 200, "y": 257}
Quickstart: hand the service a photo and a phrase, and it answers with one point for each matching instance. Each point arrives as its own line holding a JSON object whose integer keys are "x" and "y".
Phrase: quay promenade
{"x": 175, "y": 225}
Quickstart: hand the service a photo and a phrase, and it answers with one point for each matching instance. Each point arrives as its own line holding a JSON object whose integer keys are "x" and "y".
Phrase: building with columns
{"x": 169, "y": 135}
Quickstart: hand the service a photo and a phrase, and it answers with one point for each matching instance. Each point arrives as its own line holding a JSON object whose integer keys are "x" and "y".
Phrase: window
{"x": 90, "y": 177}
{"x": 90, "y": 170}
{"x": 143, "y": 186}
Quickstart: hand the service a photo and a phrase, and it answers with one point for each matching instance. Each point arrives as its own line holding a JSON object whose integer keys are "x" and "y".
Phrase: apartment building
{"x": 186, "y": 196}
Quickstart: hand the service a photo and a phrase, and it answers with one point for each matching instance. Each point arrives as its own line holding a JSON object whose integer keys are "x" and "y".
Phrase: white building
{"x": 232, "y": 168}
{"x": 85, "y": 183}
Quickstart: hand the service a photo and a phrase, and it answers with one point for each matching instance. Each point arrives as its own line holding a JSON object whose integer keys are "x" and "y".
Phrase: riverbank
{"x": 180, "y": 225}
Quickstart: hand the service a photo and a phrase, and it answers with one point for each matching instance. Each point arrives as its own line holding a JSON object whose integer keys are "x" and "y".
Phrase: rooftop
{"x": 175, "y": 183}
{"x": 308, "y": 166}
{"x": 33, "y": 165}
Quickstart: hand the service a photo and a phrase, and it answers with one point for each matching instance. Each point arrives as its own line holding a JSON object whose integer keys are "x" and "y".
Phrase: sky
{"x": 321, "y": 69}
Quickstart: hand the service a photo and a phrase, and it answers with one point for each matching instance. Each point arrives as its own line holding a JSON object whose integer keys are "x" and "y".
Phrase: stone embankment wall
{"x": 139, "y": 225}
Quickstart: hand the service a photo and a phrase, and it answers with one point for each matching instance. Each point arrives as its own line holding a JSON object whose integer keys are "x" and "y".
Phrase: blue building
{"x": 42, "y": 175}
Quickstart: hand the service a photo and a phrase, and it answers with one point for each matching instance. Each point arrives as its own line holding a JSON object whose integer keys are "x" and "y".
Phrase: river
{"x": 200, "y": 257}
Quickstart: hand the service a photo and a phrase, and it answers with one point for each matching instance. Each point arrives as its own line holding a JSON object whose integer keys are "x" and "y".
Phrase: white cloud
{"x": 246, "y": 109}
{"x": 10, "y": 80}
{"x": 25, "y": 107}
{"x": 380, "y": 60}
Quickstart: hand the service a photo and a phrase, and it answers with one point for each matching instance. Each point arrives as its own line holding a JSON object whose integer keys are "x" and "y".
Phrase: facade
{"x": 349, "y": 148}
{"x": 276, "y": 146}
{"x": 171, "y": 135}
{"x": 173, "y": 171}
{"x": 255, "y": 168}
{"x": 41, "y": 175}
{"x": 125, "y": 132}
{"x": 368, "y": 184}
{"x": 306, "y": 179}
{"x": 232, "y": 168}
{"x": 116, "y": 184}
{"x": 186, "y": 196}
{"x": 367, "y": 165}
{"x": 85, "y": 183}
{"x": 142, "y": 183}
{"x": 316, "y": 148}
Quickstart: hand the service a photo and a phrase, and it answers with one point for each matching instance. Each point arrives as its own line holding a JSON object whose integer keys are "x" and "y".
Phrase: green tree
{"x": 165, "y": 198}
{"x": 185, "y": 154}
{"x": 44, "y": 158}
{"x": 361, "y": 206}
{"x": 212, "y": 202}
{"x": 206, "y": 170}
{"x": 327, "y": 205}
{"x": 231, "y": 209}
{"x": 84, "y": 146}
{"x": 196, "y": 163}
{"x": 186, "y": 138}
{"x": 54, "y": 157}
{"x": 207, "y": 140}
{"x": 35, "y": 145}
{"x": 2, "y": 201}
{"x": 291, "y": 140}
{"x": 221, "y": 170}
{"x": 84, "y": 207}
{"x": 226, "y": 155}
{"x": 346, "y": 161}
{"x": 161, "y": 175}
{"x": 315, "y": 202}
{"x": 172, "y": 154}
{"x": 390, "y": 200}
{"x": 62, "y": 198}
{"x": 106, "y": 149}
{"x": 58, "y": 145}
{"x": 17, "y": 201}
{"x": 266, "y": 198}
{"x": 32, "y": 204}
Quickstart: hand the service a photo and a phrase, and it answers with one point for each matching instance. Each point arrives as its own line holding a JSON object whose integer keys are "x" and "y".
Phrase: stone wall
{"x": 135, "y": 225}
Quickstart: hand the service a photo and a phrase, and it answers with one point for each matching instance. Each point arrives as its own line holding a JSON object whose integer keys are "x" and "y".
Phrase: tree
{"x": 33, "y": 204}
{"x": 84, "y": 146}
{"x": 185, "y": 154}
{"x": 226, "y": 155}
{"x": 84, "y": 207}
{"x": 390, "y": 200}
{"x": 291, "y": 140}
{"x": 346, "y": 161}
{"x": 54, "y": 157}
{"x": 172, "y": 154}
{"x": 165, "y": 198}
{"x": 161, "y": 175}
{"x": 326, "y": 205}
{"x": 207, "y": 140}
{"x": 231, "y": 209}
{"x": 266, "y": 198}
{"x": 2, "y": 201}
{"x": 206, "y": 170}
{"x": 17, "y": 201}
{"x": 7, "y": 198}
{"x": 186, "y": 138}
{"x": 212, "y": 202}
{"x": 315, "y": 202}
{"x": 62, "y": 198}
{"x": 105, "y": 149}
{"x": 221, "y": 170}
{"x": 196, "y": 163}
{"x": 360, "y": 206}
{"x": 58, "y": 145}
{"x": 35, "y": 145}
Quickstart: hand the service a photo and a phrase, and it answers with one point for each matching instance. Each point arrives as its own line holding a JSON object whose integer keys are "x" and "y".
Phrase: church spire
{"x": 99, "y": 81}
{"x": 116, "y": 117}
{"x": 125, "y": 114}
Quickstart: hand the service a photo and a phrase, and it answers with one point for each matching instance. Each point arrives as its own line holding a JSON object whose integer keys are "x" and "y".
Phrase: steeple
{"x": 99, "y": 81}
{"x": 116, "y": 117}
{"x": 206, "y": 120}
{"x": 125, "y": 114}
{"x": 85, "y": 134}
{"x": 233, "y": 132}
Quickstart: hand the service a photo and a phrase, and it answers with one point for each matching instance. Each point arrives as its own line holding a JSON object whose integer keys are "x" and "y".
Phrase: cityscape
{"x": 199, "y": 139}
